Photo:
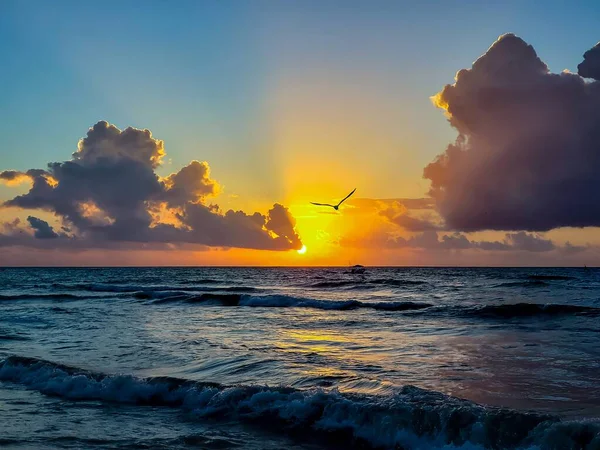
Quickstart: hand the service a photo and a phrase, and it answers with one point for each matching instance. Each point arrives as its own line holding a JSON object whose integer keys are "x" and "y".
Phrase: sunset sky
{"x": 151, "y": 114}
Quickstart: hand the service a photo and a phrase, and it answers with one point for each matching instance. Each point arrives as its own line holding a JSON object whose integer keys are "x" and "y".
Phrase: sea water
{"x": 299, "y": 358}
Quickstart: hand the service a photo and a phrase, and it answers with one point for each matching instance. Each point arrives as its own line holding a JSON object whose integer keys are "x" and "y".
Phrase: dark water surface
{"x": 220, "y": 358}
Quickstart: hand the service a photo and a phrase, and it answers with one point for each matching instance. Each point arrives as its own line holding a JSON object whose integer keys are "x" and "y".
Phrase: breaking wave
{"x": 411, "y": 418}
{"x": 498, "y": 311}
{"x": 283, "y": 301}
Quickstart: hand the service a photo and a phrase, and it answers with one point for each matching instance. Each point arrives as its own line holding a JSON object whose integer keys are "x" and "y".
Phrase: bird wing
{"x": 346, "y": 197}
{"x": 321, "y": 204}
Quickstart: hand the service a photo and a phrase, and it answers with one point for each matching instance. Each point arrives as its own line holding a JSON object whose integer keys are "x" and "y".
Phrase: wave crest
{"x": 284, "y": 301}
{"x": 410, "y": 418}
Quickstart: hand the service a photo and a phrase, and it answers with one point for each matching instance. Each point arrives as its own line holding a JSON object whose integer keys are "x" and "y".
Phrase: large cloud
{"x": 109, "y": 192}
{"x": 527, "y": 156}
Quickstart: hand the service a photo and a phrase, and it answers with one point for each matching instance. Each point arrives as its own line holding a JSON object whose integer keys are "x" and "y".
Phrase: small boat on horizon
{"x": 357, "y": 269}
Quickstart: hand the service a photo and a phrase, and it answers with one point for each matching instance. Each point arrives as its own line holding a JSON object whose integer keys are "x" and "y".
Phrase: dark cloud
{"x": 529, "y": 242}
{"x": 431, "y": 240}
{"x": 13, "y": 177}
{"x": 109, "y": 192}
{"x": 105, "y": 142}
{"x": 590, "y": 67}
{"x": 527, "y": 156}
{"x": 281, "y": 222}
{"x": 191, "y": 184}
{"x": 10, "y": 175}
{"x": 41, "y": 228}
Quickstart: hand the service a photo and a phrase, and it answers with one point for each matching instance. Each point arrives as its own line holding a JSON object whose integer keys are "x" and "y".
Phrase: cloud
{"x": 281, "y": 222}
{"x": 374, "y": 204}
{"x": 109, "y": 192}
{"x": 432, "y": 241}
{"x": 191, "y": 184}
{"x": 10, "y": 228}
{"x": 529, "y": 242}
{"x": 397, "y": 213}
{"x": 527, "y": 156}
{"x": 590, "y": 67}
{"x": 105, "y": 142}
{"x": 42, "y": 230}
{"x": 13, "y": 177}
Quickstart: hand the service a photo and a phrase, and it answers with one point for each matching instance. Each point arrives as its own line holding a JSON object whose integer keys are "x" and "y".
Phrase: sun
{"x": 302, "y": 251}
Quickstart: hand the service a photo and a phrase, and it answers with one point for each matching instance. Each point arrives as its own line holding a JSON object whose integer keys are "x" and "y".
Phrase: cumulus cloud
{"x": 590, "y": 67}
{"x": 527, "y": 156}
{"x": 191, "y": 184}
{"x": 109, "y": 192}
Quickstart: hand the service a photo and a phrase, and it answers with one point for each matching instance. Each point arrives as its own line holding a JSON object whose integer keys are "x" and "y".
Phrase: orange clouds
{"x": 14, "y": 178}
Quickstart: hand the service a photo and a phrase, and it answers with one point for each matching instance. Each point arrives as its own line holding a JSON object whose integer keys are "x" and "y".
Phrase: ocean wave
{"x": 498, "y": 311}
{"x": 551, "y": 277}
{"x": 527, "y": 284}
{"x": 365, "y": 284}
{"x": 146, "y": 295}
{"x": 396, "y": 282}
{"x": 284, "y": 301}
{"x": 40, "y": 297}
{"x": 411, "y": 418}
{"x": 529, "y": 310}
{"x": 12, "y": 337}
{"x": 99, "y": 287}
{"x": 202, "y": 281}
{"x": 333, "y": 284}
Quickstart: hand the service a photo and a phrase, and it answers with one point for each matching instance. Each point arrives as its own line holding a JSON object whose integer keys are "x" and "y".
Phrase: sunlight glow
{"x": 302, "y": 251}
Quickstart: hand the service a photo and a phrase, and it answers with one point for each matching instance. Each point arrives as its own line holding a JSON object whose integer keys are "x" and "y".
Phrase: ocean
{"x": 300, "y": 358}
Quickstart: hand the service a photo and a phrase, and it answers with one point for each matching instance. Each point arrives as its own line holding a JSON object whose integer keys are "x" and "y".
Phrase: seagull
{"x": 336, "y": 207}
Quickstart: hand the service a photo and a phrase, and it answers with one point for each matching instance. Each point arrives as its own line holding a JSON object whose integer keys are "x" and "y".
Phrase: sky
{"x": 197, "y": 133}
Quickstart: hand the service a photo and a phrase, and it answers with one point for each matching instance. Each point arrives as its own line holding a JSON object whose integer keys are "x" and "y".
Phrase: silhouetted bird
{"x": 336, "y": 207}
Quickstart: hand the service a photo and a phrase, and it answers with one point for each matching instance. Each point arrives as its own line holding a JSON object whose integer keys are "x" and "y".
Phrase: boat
{"x": 357, "y": 269}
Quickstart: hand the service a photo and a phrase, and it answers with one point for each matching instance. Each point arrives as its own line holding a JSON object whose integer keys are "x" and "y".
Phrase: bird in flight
{"x": 336, "y": 207}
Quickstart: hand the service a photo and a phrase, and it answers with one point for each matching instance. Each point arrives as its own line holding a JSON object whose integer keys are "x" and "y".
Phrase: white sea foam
{"x": 412, "y": 418}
